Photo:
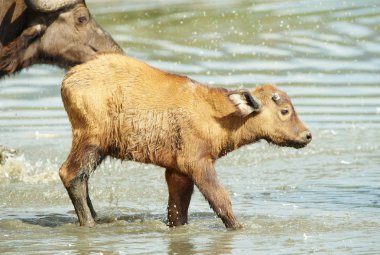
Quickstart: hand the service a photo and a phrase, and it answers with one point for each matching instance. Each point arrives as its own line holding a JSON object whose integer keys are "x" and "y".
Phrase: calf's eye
{"x": 284, "y": 111}
{"x": 82, "y": 19}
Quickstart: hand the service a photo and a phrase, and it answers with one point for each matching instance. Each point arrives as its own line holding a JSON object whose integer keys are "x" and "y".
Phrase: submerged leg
{"x": 205, "y": 178}
{"x": 180, "y": 189}
{"x": 74, "y": 174}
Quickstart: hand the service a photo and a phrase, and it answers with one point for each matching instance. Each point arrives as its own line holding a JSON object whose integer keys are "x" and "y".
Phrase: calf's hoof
{"x": 88, "y": 223}
{"x": 235, "y": 226}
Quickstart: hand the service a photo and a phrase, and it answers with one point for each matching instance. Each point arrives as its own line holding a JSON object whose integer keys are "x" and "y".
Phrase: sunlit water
{"x": 322, "y": 199}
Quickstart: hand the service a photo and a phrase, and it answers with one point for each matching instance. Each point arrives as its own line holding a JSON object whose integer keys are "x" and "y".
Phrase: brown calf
{"x": 126, "y": 109}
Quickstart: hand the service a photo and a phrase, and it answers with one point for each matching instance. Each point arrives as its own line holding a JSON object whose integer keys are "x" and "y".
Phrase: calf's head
{"x": 269, "y": 114}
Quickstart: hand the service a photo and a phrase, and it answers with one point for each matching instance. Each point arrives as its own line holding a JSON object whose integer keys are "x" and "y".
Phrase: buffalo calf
{"x": 126, "y": 109}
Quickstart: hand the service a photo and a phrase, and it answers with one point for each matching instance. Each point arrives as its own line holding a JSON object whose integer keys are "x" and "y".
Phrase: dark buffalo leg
{"x": 205, "y": 178}
{"x": 180, "y": 189}
{"x": 74, "y": 174}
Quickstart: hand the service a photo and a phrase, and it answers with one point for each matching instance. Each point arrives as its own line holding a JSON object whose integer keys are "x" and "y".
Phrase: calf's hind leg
{"x": 180, "y": 189}
{"x": 74, "y": 174}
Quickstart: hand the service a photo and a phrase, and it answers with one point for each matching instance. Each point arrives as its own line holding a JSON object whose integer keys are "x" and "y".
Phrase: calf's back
{"x": 135, "y": 111}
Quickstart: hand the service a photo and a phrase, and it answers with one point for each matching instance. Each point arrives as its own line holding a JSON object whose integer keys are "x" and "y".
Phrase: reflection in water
{"x": 180, "y": 245}
{"x": 200, "y": 243}
{"x": 321, "y": 199}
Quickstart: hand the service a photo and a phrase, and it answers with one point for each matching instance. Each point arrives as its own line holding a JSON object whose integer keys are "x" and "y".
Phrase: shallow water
{"x": 322, "y": 199}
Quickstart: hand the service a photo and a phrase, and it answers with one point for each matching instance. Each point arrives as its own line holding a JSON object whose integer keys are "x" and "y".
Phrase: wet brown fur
{"x": 124, "y": 108}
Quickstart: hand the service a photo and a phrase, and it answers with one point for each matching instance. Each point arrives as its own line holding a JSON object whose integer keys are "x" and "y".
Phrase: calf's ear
{"x": 244, "y": 102}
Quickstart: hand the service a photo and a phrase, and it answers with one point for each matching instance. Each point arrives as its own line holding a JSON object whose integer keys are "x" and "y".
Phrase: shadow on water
{"x": 50, "y": 220}
{"x": 112, "y": 217}
{"x": 57, "y": 220}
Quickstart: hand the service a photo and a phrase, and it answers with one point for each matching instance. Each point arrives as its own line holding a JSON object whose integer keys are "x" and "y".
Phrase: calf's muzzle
{"x": 305, "y": 138}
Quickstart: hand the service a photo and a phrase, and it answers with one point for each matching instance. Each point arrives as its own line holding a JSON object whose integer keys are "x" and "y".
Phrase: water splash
{"x": 17, "y": 168}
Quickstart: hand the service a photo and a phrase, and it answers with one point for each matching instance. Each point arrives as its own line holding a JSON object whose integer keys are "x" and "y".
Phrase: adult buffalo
{"x": 60, "y": 32}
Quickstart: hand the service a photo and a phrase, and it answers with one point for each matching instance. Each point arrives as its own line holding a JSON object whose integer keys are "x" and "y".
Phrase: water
{"x": 323, "y": 199}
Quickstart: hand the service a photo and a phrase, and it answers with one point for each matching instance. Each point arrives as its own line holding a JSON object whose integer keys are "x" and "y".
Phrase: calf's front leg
{"x": 205, "y": 178}
{"x": 74, "y": 174}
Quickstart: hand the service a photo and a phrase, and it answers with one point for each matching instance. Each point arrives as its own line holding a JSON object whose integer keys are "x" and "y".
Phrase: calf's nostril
{"x": 309, "y": 136}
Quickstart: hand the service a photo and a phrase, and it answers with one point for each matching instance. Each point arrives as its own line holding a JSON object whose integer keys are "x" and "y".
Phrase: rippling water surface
{"x": 322, "y": 199}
